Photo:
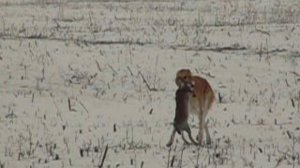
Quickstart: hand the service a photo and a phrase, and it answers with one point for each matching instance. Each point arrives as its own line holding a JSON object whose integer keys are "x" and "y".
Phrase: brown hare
{"x": 183, "y": 94}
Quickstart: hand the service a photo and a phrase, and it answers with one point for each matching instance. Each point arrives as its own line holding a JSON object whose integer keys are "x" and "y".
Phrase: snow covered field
{"x": 79, "y": 76}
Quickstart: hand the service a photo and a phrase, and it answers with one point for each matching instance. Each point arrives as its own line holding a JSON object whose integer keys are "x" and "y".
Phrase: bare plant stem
{"x": 169, "y": 153}
{"x": 181, "y": 155}
{"x": 104, "y": 156}
{"x": 83, "y": 107}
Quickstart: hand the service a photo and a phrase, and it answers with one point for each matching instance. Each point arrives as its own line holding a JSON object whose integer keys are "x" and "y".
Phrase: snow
{"x": 71, "y": 82}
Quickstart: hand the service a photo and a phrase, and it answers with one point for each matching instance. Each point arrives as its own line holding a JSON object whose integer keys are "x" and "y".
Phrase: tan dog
{"x": 201, "y": 100}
